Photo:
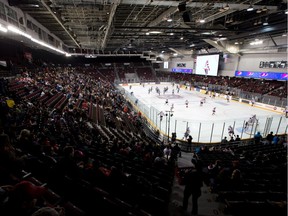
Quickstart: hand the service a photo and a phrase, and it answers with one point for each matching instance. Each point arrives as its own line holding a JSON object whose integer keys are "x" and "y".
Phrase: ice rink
{"x": 204, "y": 127}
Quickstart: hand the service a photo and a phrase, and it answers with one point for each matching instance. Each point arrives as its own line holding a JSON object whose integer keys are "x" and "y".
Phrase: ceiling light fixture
{"x": 250, "y": 8}
{"x": 266, "y": 21}
{"x": 264, "y": 8}
{"x": 222, "y": 9}
{"x": 169, "y": 20}
{"x": 155, "y": 32}
{"x": 226, "y": 7}
{"x": 3, "y": 29}
{"x": 259, "y": 10}
{"x": 202, "y": 20}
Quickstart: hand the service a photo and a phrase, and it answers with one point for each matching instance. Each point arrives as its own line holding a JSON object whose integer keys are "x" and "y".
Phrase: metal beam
{"x": 56, "y": 18}
{"x": 187, "y": 29}
{"x": 112, "y": 13}
{"x": 165, "y": 14}
{"x": 234, "y": 8}
{"x": 273, "y": 40}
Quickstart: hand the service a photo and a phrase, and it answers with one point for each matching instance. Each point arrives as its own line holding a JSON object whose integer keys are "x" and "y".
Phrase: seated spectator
{"x": 49, "y": 211}
{"x": 10, "y": 165}
{"x": 275, "y": 139}
{"x": 23, "y": 199}
{"x": 67, "y": 165}
{"x": 237, "y": 139}
{"x": 231, "y": 139}
{"x": 235, "y": 182}
{"x": 160, "y": 160}
{"x": 224, "y": 140}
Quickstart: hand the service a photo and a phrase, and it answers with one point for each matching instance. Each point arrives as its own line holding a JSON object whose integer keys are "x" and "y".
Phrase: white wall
{"x": 250, "y": 62}
{"x": 188, "y": 60}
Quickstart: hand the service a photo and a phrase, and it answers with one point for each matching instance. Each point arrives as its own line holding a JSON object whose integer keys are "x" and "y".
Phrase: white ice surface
{"x": 204, "y": 126}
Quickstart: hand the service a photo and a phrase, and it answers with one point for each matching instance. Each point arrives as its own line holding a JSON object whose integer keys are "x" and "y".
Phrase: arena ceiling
{"x": 113, "y": 26}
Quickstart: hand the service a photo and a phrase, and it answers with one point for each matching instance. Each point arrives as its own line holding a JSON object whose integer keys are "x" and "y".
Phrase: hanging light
{"x": 226, "y": 7}
{"x": 259, "y": 10}
{"x": 266, "y": 21}
{"x": 264, "y": 8}
{"x": 250, "y": 8}
{"x": 222, "y": 9}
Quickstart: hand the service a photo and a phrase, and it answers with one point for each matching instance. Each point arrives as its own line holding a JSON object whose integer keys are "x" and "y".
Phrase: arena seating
{"x": 114, "y": 158}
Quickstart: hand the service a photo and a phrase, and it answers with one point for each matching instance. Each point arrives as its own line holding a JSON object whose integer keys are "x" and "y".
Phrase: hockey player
{"x": 230, "y": 131}
{"x": 161, "y": 114}
{"x": 172, "y": 107}
{"x": 187, "y": 133}
{"x": 201, "y": 102}
{"x": 214, "y": 111}
{"x": 186, "y": 103}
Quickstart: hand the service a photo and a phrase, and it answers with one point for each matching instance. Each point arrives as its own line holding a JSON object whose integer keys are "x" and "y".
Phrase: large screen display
{"x": 262, "y": 75}
{"x": 207, "y": 65}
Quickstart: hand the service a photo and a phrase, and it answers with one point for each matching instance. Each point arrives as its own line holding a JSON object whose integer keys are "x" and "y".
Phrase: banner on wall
{"x": 182, "y": 70}
{"x": 262, "y": 75}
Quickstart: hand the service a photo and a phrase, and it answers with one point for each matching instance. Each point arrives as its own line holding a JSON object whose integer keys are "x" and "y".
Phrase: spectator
{"x": 193, "y": 180}
{"x": 49, "y": 211}
{"x": 10, "y": 165}
{"x": 23, "y": 199}
{"x": 270, "y": 137}
{"x": 176, "y": 151}
{"x": 189, "y": 143}
{"x": 257, "y": 137}
{"x": 167, "y": 151}
{"x": 237, "y": 139}
{"x": 275, "y": 139}
{"x": 224, "y": 141}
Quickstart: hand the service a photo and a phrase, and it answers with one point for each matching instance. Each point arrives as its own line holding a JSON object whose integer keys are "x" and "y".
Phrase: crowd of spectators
{"x": 48, "y": 126}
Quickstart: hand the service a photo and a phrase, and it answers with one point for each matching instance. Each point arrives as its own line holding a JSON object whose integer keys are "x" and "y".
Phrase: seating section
{"x": 112, "y": 166}
{"x": 249, "y": 179}
{"x": 74, "y": 133}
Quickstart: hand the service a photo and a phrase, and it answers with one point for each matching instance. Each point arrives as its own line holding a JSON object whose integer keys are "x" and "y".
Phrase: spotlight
{"x": 250, "y": 8}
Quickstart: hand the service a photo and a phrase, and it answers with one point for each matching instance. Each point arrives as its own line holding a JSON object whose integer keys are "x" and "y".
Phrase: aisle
{"x": 207, "y": 204}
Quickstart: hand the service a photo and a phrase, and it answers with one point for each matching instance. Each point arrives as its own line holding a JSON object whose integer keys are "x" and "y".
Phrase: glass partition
{"x": 207, "y": 131}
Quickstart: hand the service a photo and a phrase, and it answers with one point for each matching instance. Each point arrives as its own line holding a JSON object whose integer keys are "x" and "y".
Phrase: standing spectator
{"x": 189, "y": 143}
{"x": 270, "y": 137}
{"x": 176, "y": 151}
{"x": 167, "y": 151}
{"x": 193, "y": 180}
{"x": 257, "y": 137}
